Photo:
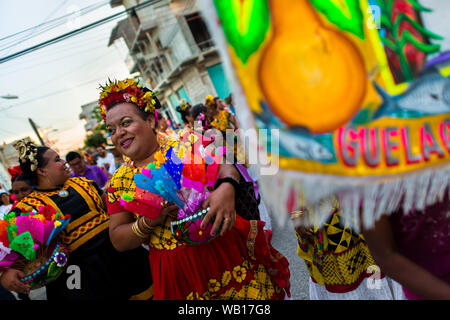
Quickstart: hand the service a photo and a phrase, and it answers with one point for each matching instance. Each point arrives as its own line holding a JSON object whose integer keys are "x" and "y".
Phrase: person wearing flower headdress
{"x": 185, "y": 111}
{"x": 163, "y": 131}
{"x": 218, "y": 116}
{"x": 103, "y": 272}
{"x": 20, "y": 185}
{"x": 239, "y": 263}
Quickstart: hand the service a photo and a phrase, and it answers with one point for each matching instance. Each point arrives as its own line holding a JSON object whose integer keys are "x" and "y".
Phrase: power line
{"x": 89, "y": 8}
{"x": 33, "y": 30}
{"x": 73, "y": 43}
{"x": 75, "y": 32}
{"x": 87, "y": 48}
{"x": 66, "y": 73}
{"x": 14, "y": 43}
{"x": 52, "y": 93}
{"x": 159, "y": 22}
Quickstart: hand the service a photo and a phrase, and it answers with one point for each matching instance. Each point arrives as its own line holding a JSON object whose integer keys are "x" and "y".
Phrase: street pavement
{"x": 285, "y": 241}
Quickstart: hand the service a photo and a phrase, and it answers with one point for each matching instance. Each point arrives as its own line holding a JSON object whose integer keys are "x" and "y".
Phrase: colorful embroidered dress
{"x": 335, "y": 255}
{"x": 103, "y": 270}
{"x": 242, "y": 264}
{"x": 221, "y": 121}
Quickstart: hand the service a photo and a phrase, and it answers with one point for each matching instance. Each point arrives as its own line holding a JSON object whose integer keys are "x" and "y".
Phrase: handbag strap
{"x": 243, "y": 171}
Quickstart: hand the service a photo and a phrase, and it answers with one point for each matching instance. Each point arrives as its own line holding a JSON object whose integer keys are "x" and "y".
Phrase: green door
{"x": 219, "y": 81}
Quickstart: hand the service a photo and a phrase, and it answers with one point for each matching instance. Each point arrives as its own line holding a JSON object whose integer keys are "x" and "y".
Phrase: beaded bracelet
{"x": 192, "y": 217}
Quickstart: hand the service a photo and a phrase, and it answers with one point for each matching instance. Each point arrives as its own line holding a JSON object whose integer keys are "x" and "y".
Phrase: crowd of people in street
{"x": 123, "y": 254}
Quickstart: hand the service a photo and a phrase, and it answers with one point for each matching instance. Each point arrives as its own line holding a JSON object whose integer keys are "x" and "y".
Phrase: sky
{"x": 52, "y": 83}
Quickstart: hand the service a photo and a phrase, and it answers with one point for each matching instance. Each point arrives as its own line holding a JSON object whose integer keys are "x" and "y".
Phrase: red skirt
{"x": 242, "y": 264}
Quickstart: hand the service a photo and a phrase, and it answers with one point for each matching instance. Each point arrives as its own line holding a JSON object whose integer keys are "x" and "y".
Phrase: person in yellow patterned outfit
{"x": 339, "y": 261}
{"x": 238, "y": 264}
{"x": 217, "y": 116}
{"x": 103, "y": 271}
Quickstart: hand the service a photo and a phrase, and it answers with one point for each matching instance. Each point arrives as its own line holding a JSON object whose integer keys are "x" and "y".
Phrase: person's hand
{"x": 10, "y": 280}
{"x": 221, "y": 204}
{"x": 299, "y": 220}
{"x": 170, "y": 210}
{"x": 302, "y": 231}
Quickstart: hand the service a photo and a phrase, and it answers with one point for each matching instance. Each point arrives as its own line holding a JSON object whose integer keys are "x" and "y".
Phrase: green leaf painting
{"x": 345, "y": 14}
{"x": 398, "y": 38}
{"x": 245, "y": 23}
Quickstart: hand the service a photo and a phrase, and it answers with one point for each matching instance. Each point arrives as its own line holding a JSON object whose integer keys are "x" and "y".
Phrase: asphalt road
{"x": 285, "y": 241}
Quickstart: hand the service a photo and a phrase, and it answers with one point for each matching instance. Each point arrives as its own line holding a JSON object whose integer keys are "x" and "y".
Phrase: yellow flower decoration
{"x": 12, "y": 221}
{"x": 247, "y": 264}
{"x": 226, "y": 278}
{"x": 194, "y": 296}
{"x": 40, "y": 217}
{"x": 172, "y": 142}
{"x": 209, "y": 100}
{"x": 160, "y": 159}
{"x": 182, "y": 152}
{"x": 147, "y": 95}
{"x": 213, "y": 285}
{"x": 239, "y": 273}
{"x": 170, "y": 244}
{"x": 192, "y": 138}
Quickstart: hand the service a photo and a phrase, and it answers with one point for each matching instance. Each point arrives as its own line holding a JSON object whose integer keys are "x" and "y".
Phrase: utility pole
{"x": 33, "y": 125}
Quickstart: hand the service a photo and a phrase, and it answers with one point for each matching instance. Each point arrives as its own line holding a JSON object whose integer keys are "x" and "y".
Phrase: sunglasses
{"x": 23, "y": 190}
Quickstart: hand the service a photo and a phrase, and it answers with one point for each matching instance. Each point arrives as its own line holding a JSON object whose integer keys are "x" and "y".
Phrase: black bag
{"x": 247, "y": 199}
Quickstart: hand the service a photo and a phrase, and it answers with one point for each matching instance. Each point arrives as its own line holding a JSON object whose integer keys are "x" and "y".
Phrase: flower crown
{"x": 209, "y": 101}
{"x": 128, "y": 90}
{"x": 184, "y": 105}
{"x": 27, "y": 150}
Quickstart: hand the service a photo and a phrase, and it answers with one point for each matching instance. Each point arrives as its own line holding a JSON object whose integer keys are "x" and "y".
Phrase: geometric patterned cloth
{"x": 81, "y": 200}
{"x": 335, "y": 255}
{"x": 221, "y": 121}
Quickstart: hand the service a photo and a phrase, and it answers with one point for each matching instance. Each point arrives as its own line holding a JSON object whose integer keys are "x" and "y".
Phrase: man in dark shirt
{"x": 81, "y": 169}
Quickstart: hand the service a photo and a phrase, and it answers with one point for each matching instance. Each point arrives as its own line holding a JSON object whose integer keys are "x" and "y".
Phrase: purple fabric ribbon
{"x": 247, "y": 177}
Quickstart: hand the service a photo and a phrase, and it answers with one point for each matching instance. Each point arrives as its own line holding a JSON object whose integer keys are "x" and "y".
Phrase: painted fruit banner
{"x": 358, "y": 92}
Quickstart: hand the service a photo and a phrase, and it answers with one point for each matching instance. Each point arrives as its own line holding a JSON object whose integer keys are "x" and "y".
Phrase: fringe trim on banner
{"x": 290, "y": 190}
{"x": 364, "y": 198}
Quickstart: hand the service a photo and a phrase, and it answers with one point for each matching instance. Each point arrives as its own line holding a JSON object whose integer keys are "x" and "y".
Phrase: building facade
{"x": 87, "y": 115}
{"x": 171, "y": 49}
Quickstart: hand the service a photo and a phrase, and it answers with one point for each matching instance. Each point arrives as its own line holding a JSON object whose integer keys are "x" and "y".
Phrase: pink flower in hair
{"x": 127, "y": 97}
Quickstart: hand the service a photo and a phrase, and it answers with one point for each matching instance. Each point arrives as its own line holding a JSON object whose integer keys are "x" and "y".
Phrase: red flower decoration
{"x": 178, "y": 234}
{"x": 47, "y": 211}
{"x": 14, "y": 172}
